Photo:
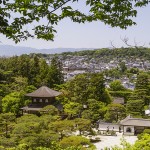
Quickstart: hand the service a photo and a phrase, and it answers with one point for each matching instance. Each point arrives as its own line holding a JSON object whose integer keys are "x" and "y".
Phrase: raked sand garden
{"x": 109, "y": 141}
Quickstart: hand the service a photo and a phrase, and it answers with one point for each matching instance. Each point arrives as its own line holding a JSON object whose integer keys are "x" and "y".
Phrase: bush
{"x": 92, "y": 132}
{"x": 97, "y": 139}
{"x": 146, "y": 131}
{"x": 76, "y": 141}
{"x": 139, "y": 136}
{"x": 113, "y": 133}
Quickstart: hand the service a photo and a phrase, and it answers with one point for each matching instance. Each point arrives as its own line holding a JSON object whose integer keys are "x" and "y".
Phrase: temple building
{"x": 40, "y": 98}
{"x": 134, "y": 126}
{"x": 128, "y": 126}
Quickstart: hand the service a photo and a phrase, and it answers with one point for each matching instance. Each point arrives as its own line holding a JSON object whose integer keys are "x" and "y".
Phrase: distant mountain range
{"x": 9, "y": 50}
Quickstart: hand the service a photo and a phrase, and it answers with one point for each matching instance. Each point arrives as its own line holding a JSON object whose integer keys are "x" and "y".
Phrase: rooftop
{"x": 135, "y": 122}
{"x": 44, "y": 91}
{"x": 118, "y": 100}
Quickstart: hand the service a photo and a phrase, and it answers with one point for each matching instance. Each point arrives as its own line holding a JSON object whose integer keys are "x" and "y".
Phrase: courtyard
{"x": 109, "y": 141}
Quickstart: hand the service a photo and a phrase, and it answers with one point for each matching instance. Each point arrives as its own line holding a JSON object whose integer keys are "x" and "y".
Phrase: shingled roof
{"x": 118, "y": 100}
{"x": 44, "y": 91}
{"x": 135, "y": 122}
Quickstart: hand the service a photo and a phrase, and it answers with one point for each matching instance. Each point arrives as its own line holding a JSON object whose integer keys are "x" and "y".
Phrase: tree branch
{"x": 57, "y": 9}
{"x": 59, "y": 6}
{"x": 111, "y": 43}
{"x": 125, "y": 41}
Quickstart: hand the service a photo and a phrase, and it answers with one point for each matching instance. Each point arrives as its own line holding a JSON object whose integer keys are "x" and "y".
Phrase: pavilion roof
{"x": 44, "y": 91}
{"x": 26, "y": 108}
{"x": 135, "y": 122}
{"x": 38, "y": 107}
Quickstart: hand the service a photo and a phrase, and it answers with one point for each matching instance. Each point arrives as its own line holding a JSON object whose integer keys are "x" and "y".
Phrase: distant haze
{"x": 9, "y": 50}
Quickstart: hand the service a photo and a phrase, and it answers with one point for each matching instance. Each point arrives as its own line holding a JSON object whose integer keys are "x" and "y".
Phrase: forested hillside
{"x": 85, "y": 98}
{"x": 108, "y": 54}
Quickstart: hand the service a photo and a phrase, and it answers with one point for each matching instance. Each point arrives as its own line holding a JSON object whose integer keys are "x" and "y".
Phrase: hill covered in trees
{"x": 85, "y": 100}
{"x": 108, "y": 54}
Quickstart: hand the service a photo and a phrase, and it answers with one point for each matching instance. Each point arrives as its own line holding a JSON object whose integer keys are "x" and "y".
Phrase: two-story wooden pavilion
{"x": 40, "y": 98}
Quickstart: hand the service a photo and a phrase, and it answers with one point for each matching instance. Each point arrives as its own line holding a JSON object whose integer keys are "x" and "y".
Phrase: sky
{"x": 92, "y": 35}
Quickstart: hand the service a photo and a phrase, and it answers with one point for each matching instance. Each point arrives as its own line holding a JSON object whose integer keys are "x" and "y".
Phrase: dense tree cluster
{"x": 23, "y": 74}
{"x": 85, "y": 96}
{"x": 44, "y": 132}
{"x": 25, "y": 70}
{"x": 106, "y": 55}
{"x": 141, "y": 95}
{"x": 85, "y": 100}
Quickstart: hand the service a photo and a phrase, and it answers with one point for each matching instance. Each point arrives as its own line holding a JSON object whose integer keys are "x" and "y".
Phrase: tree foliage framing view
{"x": 16, "y": 15}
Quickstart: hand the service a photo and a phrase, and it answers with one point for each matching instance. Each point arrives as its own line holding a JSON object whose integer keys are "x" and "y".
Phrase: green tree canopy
{"x": 13, "y": 102}
{"x": 6, "y": 125}
{"x": 115, "y": 112}
{"x": 143, "y": 80}
{"x": 83, "y": 125}
{"x": 15, "y": 15}
{"x": 72, "y": 109}
{"x": 49, "y": 110}
{"x": 95, "y": 110}
{"x": 33, "y": 131}
{"x": 135, "y": 107}
{"x": 116, "y": 85}
{"x": 122, "y": 66}
{"x": 88, "y": 86}
{"x": 63, "y": 127}
{"x": 55, "y": 72}
{"x": 77, "y": 141}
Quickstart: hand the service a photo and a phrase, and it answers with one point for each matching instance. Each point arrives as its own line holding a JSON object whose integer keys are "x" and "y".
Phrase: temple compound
{"x": 40, "y": 98}
{"x": 128, "y": 126}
